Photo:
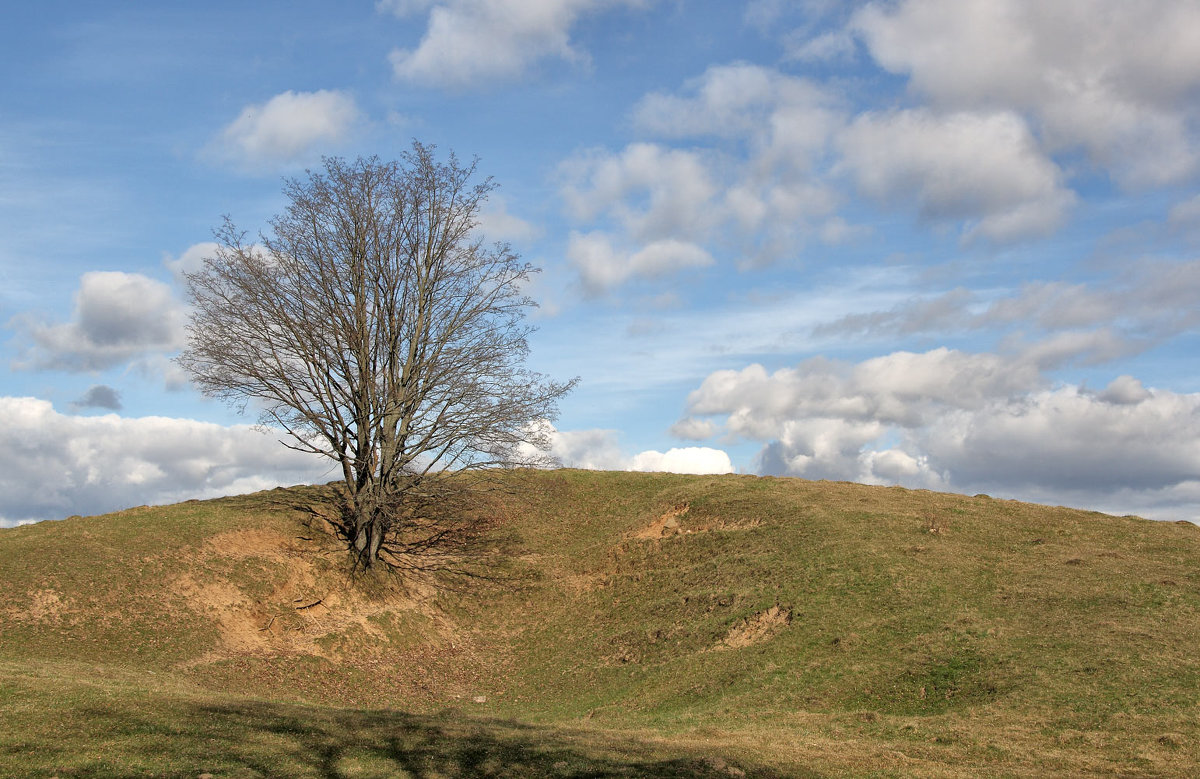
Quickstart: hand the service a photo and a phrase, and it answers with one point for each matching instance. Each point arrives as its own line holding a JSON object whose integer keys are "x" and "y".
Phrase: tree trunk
{"x": 368, "y": 540}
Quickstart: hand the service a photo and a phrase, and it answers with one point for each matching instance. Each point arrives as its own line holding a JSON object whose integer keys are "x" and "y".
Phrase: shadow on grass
{"x": 451, "y": 535}
{"x": 261, "y": 739}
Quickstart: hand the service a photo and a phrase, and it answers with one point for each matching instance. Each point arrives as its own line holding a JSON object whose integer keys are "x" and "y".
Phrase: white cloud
{"x": 190, "y": 260}
{"x": 471, "y": 42}
{"x": 789, "y": 118}
{"x": 967, "y": 422}
{"x": 53, "y": 465}
{"x": 1111, "y": 77}
{"x": 289, "y": 127}
{"x": 781, "y": 127}
{"x": 895, "y": 466}
{"x": 1070, "y": 439}
{"x": 161, "y": 367}
{"x": 688, "y": 459}
{"x": 596, "y": 450}
{"x": 903, "y": 388}
{"x": 984, "y": 169}
{"x": 820, "y": 448}
{"x": 1124, "y": 390}
{"x": 751, "y": 181}
{"x": 600, "y": 450}
{"x": 497, "y": 223}
{"x": 602, "y": 267}
{"x": 826, "y": 47}
{"x": 693, "y": 429}
{"x": 1054, "y": 304}
{"x": 1076, "y": 347}
{"x": 651, "y": 191}
{"x": 117, "y": 317}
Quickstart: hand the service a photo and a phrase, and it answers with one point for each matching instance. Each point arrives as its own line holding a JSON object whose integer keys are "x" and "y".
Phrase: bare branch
{"x": 371, "y": 327}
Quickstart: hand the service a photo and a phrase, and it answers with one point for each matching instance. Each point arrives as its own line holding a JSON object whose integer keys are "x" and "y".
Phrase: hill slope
{"x": 644, "y": 623}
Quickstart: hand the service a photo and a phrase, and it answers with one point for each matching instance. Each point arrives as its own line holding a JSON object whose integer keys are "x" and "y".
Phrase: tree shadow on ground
{"x": 455, "y": 537}
{"x": 263, "y": 739}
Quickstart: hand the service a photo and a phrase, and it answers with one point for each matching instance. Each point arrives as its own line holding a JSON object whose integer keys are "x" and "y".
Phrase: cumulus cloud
{"x": 601, "y": 450}
{"x": 289, "y": 127}
{"x": 189, "y": 260}
{"x": 969, "y": 422}
{"x": 98, "y": 396}
{"x": 471, "y": 42}
{"x": 116, "y": 318}
{"x": 746, "y": 172}
{"x": 753, "y": 162}
{"x": 777, "y": 130}
{"x": 497, "y": 223}
{"x": 984, "y": 169}
{"x": 790, "y": 119}
{"x": 596, "y": 450}
{"x": 693, "y": 429}
{"x": 902, "y": 388}
{"x": 1124, "y": 390}
{"x": 602, "y": 267}
{"x": 53, "y": 465}
{"x": 1072, "y": 439}
{"x": 1074, "y": 68}
{"x": 688, "y": 459}
{"x": 651, "y": 191}
{"x": 820, "y": 448}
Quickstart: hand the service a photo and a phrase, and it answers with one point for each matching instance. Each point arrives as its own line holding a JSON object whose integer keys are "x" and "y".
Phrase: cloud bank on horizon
{"x": 947, "y": 244}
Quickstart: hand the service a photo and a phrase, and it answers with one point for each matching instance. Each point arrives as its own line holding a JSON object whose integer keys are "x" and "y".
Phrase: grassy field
{"x": 631, "y": 625}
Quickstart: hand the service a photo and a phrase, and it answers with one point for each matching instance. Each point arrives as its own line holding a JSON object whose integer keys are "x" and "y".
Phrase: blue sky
{"x": 948, "y": 244}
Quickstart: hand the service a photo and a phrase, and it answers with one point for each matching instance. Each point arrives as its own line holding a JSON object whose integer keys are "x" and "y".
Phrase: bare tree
{"x": 376, "y": 328}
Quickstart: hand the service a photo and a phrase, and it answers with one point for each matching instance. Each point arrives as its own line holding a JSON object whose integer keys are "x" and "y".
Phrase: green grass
{"x": 780, "y": 627}
{"x": 74, "y": 724}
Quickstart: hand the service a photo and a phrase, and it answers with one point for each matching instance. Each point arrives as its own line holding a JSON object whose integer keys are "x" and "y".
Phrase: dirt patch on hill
{"x": 237, "y": 617}
{"x": 298, "y": 616}
{"x": 44, "y": 606}
{"x": 666, "y": 525}
{"x": 281, "y": 621}
{"x": 756, "y": 629}
{"x": 269, "y": 594}
{"x": 670, "y": 523}
{"x": 253, "y": 542}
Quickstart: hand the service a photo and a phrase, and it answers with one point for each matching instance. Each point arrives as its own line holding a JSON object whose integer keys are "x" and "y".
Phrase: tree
{"x": 374, "y": 326}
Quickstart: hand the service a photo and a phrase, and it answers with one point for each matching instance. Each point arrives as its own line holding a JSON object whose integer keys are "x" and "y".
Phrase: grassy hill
{"x": 626, "y": 625}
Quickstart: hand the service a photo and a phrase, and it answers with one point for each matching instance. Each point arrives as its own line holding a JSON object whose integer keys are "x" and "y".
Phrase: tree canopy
{"x": 376, "y": 327}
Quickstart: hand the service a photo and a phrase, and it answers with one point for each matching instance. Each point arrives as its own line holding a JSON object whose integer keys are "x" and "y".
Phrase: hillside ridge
{"x": 946, "y": 628}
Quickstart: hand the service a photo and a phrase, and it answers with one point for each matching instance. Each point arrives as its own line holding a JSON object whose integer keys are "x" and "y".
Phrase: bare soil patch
{"x": 666, "y": 525}
{"x": 253, "y": 542}
{"x": 669, "y": 524}
{"x": 44, "y": 606}
{"x": 296, "y": 605}
{"x": 756, "y": 629}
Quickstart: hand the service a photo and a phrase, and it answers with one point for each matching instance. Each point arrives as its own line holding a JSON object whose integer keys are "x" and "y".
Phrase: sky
{"x": 945, "y": 244}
